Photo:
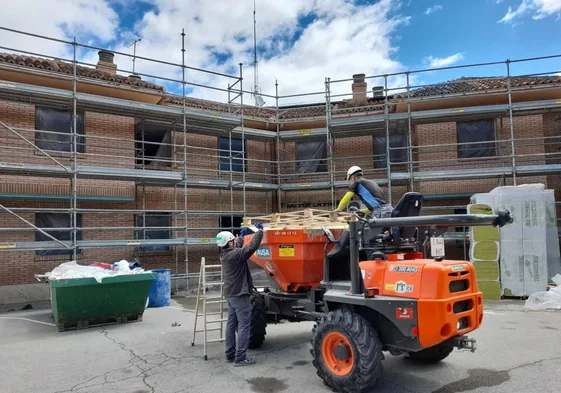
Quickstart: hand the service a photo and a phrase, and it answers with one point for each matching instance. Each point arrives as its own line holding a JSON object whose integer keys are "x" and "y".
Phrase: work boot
{"x": 245, "y": 362}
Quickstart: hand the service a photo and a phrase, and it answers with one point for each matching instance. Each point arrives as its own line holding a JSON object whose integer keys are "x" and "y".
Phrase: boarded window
{"x": 480, "y": 136}
{"x": 238, "y": 150}
{"x": 47, "y": 221}
{"x": 54, "y": 130}
{"x": 153, "y": 220}
{"x": 397, "y": 156}
{"x": 311, "y": 156}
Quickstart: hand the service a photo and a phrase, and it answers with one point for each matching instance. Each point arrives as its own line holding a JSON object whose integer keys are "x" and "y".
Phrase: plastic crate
{"x": 82, "y": 303}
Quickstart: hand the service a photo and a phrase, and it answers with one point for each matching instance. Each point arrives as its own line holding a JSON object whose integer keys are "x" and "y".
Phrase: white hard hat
{"x": 224, "y": 238}
{"x": 353, "y": 170}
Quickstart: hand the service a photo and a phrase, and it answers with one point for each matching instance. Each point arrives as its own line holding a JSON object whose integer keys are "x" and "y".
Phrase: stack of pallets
{"x": 307, "y": 219}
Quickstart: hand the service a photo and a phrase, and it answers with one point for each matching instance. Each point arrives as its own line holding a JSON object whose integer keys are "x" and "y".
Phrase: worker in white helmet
{"x": 237, "y": 290}
{"x": 369, "y": 193}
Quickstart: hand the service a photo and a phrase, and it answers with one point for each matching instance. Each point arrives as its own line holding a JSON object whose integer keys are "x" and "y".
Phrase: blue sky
{"x": 300, "y": 41}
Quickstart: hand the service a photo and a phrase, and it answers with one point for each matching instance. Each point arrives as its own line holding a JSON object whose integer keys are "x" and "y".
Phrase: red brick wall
{"x": 100, "y": 151}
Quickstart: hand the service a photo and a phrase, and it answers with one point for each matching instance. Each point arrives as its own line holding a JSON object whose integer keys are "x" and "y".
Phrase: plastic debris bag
{"x": 69, "y": 270}
{"x": 546, "y": 300}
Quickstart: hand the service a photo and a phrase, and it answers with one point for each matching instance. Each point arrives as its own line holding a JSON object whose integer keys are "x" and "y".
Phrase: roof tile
{"x": 67, "y": 68}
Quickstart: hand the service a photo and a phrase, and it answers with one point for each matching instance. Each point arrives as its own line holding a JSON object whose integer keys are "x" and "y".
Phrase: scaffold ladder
{"x": 204, "y": 300}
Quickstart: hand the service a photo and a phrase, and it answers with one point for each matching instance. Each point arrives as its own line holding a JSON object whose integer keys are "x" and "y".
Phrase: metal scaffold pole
{"x": 74, "y": 158}
{"x": 278, "y": 142}
{"x": 244, "y": 163}
{"x": 329, "y": 139}
{"x": 409, "y": 136}
{"x": 512, "y": 152}
{"x": 388, "y": 158}
{"x": 185, "y": 198}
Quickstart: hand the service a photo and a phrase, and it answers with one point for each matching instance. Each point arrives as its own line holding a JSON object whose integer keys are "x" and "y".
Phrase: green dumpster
{"x": 80, "y": 303}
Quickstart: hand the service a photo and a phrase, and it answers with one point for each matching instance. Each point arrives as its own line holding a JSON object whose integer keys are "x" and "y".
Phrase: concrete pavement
{"x": 517, "y": 351}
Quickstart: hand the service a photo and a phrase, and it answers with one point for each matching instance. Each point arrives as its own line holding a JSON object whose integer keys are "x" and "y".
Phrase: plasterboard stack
{"x": 529, "y": 252}
{"x": 484, "y": 254}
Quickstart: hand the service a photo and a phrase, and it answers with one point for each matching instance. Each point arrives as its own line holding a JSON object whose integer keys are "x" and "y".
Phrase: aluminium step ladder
{"x": 204, "y": 300}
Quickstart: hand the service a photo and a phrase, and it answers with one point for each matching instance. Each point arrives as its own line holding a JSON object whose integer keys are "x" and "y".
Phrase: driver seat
{"x": 409, "y": 205}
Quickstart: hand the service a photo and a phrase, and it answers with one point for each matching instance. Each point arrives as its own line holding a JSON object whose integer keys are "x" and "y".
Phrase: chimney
{"x": 378, "y": 91}
{"x": 105, "y": 62}
{"x": 359, "y": 88}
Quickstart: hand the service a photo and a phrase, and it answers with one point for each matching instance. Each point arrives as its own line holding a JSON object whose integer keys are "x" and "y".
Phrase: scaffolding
{"x": 396, "y": 106}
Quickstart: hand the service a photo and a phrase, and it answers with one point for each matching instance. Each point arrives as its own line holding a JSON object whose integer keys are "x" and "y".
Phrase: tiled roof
{"x": 345, "y": 107}
{"x": 468, "y": 84}
{"x": 67, "y": 68}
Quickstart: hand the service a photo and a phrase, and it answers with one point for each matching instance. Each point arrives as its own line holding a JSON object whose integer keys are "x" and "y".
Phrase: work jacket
{"x": 237, "y": 277}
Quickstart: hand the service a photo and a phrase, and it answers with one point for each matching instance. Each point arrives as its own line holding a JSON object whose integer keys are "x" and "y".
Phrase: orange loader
{"x": 370, "y": 288}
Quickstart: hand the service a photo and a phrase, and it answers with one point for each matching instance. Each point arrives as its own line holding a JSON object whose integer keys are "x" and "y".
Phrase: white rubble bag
{"x": 546, "y": 300}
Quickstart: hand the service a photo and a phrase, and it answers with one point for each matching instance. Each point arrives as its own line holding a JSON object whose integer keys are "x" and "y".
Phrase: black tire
{"x": 258, "y": 321}
{"x": 366, "y": 350}
{"x": 434, "y": 354}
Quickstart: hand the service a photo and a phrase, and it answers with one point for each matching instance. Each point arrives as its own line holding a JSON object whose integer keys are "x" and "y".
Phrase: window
{"x": 398, "y": 156}
{"x": 227, "y": 225}
{"x": 311, "y": 156}
{"x": 461, "y": 229}
{"x": 59, "y": 123}
{"x": 56, "y": 220}
{"x": 482, "y": 131}
{"x": 237, "y": 158}
{"x": 153, "y": 220}
{"x": 153, "y": 149}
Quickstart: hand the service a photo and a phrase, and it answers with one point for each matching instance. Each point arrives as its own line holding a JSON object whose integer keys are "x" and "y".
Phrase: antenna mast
{"x": 255, "y": 81}
{"x": 134, "y": 52}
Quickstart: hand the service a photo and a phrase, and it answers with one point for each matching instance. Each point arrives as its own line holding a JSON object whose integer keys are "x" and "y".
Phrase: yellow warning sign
{"x": 390, "y": 287}
{"x": 7, "y": 245}
{"x": 304, "y": 132}
{"x": 286, "y": 250}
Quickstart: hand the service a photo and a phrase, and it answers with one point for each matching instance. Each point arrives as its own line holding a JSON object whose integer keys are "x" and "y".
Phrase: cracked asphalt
{"x": 518, "y": 351}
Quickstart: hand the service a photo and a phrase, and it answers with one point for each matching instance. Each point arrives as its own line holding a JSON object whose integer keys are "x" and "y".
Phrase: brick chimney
{"x": 359, "y": 88}
{"x": 105, "y": 62}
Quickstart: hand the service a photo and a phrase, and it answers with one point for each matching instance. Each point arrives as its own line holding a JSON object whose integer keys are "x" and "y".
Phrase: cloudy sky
{"x": 300, "y": 42}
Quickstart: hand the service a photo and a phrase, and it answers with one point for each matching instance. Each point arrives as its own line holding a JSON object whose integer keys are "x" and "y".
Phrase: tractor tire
{"x": 346, "y": 351}
{"x": 434, "y": 354}
{"x": 258, "y": 321}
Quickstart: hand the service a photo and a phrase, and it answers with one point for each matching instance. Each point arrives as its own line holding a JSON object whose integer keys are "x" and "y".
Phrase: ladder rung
{"x": 212, "y": 266}
{"x": 216, "y": 340}
{"x": 217, "y": 320}
{"x": 209, "y": 330}
{"x": 210, "y": 284}
{"x": 211, "y": 313}
{"x": 216, "y": 302}
{"x": 214, "y": 298}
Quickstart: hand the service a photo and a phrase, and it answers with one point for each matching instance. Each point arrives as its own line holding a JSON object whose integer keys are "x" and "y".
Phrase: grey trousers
{"x": 239, "y": 320}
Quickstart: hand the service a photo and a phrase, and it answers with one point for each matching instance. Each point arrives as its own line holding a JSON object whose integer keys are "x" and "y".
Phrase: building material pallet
{"x": 307, "y": 218}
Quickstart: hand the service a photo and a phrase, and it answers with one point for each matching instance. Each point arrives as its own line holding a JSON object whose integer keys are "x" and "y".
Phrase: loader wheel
{"x": 434, "y": 354}
{"x": 346, "y": 351}
{"x": 258, "y": 321}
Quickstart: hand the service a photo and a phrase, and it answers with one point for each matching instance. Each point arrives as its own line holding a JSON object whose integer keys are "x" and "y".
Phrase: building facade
{"x": 155, "y": 176}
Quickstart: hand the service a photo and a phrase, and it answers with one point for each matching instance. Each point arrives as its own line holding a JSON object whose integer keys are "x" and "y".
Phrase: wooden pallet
{"x": 308, "y": 218}
{"x": 97, "y": 322}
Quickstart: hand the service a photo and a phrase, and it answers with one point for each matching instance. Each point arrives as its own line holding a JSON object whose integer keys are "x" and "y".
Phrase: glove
{"x": 243, "y": 232}
{"x": 258, "y": 225}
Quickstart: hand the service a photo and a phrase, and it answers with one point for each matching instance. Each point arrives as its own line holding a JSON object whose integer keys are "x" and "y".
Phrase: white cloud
{"x": 433, "y": 9}
{"x": 343, "y": 39}
{"x": 58, "y": 19}
{"x": 540, "y": 9}
{"x": 437, "y": 62}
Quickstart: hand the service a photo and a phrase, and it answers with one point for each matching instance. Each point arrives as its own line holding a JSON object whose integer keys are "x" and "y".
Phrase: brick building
{"x": 132, "y": 184}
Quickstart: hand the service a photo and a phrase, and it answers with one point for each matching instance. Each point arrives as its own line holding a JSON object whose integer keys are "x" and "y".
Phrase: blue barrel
{"x": 160, "y": 291}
